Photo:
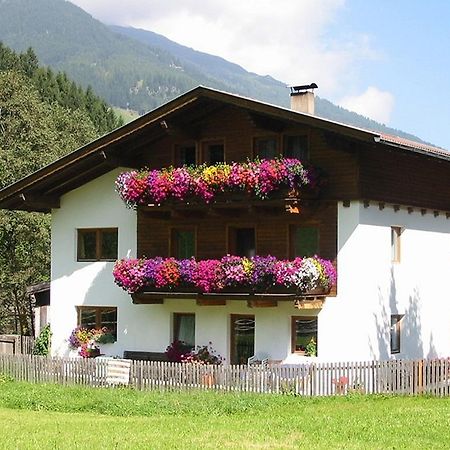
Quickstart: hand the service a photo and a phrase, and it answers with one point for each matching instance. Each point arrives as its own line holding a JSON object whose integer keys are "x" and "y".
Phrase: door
{"x": 242, "y": 338}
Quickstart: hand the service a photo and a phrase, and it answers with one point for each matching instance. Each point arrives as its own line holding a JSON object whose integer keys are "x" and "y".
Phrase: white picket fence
{"x": 317, "y": 379}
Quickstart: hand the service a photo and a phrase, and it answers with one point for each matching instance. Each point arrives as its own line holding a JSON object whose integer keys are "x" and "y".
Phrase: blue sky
{"x": 386, "y": 59}
{"x": 413, "y": 39}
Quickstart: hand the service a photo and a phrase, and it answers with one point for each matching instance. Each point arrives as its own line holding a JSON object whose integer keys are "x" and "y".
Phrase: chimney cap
{"x": 295, "y": 90}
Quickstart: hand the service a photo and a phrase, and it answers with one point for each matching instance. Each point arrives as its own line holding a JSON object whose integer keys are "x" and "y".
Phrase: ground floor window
{"x": 184, "y": 328}
{"x": 242, "y": 338}
{"x": 395, "y": 332}
{"x": 304, "y": 335}
{"x": 98, "y": 317}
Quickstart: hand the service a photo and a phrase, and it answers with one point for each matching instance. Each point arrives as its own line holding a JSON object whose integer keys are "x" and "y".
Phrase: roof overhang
{"x": 42, "y": 190}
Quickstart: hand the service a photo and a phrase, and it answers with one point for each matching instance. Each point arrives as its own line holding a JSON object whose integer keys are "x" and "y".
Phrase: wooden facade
{"x": 237, "y": 130}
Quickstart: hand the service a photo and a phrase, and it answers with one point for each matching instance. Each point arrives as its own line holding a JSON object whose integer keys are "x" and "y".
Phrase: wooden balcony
{"x": 234, "y": 205}
{"x": 313, "y": 299}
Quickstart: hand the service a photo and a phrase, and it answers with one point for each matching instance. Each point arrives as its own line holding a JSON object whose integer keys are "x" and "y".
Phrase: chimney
{"x": 302, "y": 98}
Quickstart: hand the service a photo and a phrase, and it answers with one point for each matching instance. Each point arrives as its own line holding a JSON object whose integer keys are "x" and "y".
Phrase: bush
{"x": 42, "y": 343}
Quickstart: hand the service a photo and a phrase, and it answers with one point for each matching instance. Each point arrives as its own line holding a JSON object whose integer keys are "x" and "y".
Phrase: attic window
{"x": 296, "y": 147}
{"x": 266, "y": 147}
{"x": 186, "y": 155}
{"x": 213, "y": 152}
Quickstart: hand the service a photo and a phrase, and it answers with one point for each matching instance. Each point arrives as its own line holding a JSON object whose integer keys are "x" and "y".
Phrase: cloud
{"x": 286, "y": 39}
{"x": 372, "y": 103}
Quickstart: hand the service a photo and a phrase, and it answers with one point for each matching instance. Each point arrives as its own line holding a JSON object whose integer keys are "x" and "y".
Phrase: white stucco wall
{"x": 352, "y": 326}
{"x": 355, "y": 325}
{"x": 95, "y": 204}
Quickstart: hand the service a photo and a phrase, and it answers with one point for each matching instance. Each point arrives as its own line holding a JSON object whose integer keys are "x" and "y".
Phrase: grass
{"x": 51, "y": 416}
{"x": 127, "y": 114}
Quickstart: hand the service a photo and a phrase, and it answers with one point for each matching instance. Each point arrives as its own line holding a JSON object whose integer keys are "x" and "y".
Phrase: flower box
{"x": 258, "y": 179}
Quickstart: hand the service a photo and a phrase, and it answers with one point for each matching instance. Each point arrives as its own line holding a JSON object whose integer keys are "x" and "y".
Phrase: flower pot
{"x": 208, "y": 380}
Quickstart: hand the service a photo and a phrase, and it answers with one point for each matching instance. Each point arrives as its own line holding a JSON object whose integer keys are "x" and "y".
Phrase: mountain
{"x": 137, "y": 69}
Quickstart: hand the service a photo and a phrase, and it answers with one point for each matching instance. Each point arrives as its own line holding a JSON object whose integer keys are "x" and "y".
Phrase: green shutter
{"x": 306, "y": 241}
{"x": 185, "y": 244}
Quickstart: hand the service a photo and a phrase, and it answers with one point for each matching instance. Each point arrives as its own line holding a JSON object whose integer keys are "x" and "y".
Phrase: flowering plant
{"x": 86, "y": 340}
{"x": 259, "y": 177}
{"x": 203, "y": 355}
{"x": 258, "y": 273}
{"x": 176, "y": 351}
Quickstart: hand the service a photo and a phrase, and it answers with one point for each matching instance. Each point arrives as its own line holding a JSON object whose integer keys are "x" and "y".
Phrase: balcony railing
{"x": 233, "y": 276}
{"x": 258, "y": 180}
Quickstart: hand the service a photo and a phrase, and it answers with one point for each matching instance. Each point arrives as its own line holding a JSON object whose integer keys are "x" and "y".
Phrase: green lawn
{"x": 49, "y": 416}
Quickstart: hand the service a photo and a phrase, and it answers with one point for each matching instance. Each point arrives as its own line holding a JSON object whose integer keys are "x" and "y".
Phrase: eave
{"x": 41, "y": 190}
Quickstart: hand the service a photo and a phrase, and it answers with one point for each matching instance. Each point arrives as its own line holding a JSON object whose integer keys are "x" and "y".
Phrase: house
{"x": 381, "y": 215}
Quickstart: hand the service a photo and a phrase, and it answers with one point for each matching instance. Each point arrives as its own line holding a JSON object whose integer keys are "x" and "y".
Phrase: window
{"x": 183, "y": 243}
{"x": 395, "y": 243}
{"x": 242, "y": 338}
{"x": 266, "y": 147}
{"x": 186, "y": 155}
{"x": 97, "y": 244}
{"x": 304, "y": 241}
{"x": 395, "y": 332}
{"x": 214, "y": 152}
{"x": 296, "y": 147}
{"x": 184, "y": 328}
{"x": 242, "y": 242}
{"x": 98, "y": 317}
{"x": 304, "y": 332}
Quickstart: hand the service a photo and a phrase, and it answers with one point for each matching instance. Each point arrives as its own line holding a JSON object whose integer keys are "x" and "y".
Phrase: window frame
{"x": 395, "y": 331}
{"x": 98, "y": 243}
{"x": 396, "y": 246}
{"x": 177, "y": 153}
{"x": 275, "y": 137}
{"x": 98, "y": 313}
{"x": 292, "y": 227}
{"x": 233, "y": 318}
{"x": 308, "y": 144}
{"x": 205, "y": 146}
{"x": 172, "y": 239}
{"x": 231, "y": 240}
{"x": 294, "y": 332}
{"x": 176, "y": 325}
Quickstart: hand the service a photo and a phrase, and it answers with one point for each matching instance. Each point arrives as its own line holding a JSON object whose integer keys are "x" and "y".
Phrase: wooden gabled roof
{"x": 41, "y": 191}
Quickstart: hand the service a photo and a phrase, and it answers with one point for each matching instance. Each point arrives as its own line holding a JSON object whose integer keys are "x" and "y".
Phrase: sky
{"x": 387, "y": 59}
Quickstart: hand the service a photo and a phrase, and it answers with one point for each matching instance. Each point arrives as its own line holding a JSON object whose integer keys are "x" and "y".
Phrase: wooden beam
{"x": 202, "y": 301}
{"x": 262, "y": 303}
{"x": 309, "y": 304}
{"x": 40, "y": 201}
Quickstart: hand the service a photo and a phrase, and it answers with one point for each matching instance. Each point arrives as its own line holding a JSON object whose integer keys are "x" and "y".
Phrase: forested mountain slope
{"x": 138, "y": 69}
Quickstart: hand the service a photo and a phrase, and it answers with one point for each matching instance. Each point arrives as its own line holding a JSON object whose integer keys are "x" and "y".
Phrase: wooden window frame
{"x": 293, "y": 134}
{"x": 233, "y": 318}
{"x": 98, "y": 243}
{"x": 395, "y": 347}
{"x": 176, "y": 152}
{"x": 293, "y": 331}
{"x": 229, "y": 240}
{"x": 275, "y": 137}
{"x": 291, "y": 237}
{"x": 172, "y": 241}
{"x": 396, "y": 247}
{"x": 98, "y": 312}
{"x": 205, "y": 149}
{"x": 176, "y": 323}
